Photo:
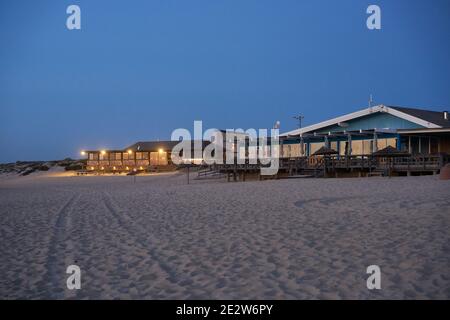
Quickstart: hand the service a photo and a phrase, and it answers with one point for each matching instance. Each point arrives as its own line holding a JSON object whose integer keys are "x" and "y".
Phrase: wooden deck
{"x": 332, "y": 166}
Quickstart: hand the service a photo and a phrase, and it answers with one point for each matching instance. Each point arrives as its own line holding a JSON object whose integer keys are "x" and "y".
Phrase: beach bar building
{"x": 422, "y": 135}
{"x": 369, "y": 130}
{"x": 371, "y": 141}
{"x": 140, "y": 156}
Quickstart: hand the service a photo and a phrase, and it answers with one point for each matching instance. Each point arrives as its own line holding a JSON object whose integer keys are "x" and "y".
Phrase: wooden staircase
{"x": 209, "y": 173}
{"x": 378, "y": 173}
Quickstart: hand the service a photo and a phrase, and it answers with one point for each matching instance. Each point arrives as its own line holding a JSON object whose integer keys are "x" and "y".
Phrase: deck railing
{"x": 331, "y": 163}
{"x": 313, "y": 164}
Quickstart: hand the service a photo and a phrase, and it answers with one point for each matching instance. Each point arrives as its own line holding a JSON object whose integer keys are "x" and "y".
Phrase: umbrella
{"x": 324, "y": 151}
{"x": 390, "y": 151}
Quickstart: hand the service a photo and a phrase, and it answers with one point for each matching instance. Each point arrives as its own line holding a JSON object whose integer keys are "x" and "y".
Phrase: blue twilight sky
{"x": 139, "y": 69}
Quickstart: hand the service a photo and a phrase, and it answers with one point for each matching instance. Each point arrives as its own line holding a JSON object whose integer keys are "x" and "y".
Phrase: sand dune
{"x": 160, "y": 238}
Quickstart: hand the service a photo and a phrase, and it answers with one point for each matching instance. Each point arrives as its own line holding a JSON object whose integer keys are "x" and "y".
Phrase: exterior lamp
{"x": 103, "y": 152}
{"x": 130, "y": 152}
{"x": 161, "y": 150}
{"x": 83, "y": 153}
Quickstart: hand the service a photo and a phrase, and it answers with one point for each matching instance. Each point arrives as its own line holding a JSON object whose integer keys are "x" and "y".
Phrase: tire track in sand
{"x": 143, "y": 240}
{"x": 55, "y": 277}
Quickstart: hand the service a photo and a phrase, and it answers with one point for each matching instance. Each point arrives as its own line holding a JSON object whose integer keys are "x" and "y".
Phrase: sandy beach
{"x": 159, "y": 238}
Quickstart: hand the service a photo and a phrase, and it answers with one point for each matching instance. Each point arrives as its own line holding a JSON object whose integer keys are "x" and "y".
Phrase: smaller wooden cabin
{"x": 140, "y": 156}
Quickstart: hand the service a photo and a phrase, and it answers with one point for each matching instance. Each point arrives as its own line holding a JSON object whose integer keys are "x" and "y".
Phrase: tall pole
{"x": 299, "y": 118}
{"x": 188, "y": 166}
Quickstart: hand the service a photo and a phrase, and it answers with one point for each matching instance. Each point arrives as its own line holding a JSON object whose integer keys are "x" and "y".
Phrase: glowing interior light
{"x": 102, "y": 168}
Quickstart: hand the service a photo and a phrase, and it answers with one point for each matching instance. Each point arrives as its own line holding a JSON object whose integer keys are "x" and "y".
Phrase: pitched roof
{"x": 152, "y": 145}
{"x": 156, "y": 145}
{"x": 418, "y": 116}
{"x": 436, "y": 117}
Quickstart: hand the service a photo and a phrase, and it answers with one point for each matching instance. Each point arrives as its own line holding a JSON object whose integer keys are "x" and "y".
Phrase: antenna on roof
{"x": 299, "y": 118}
{"x": 276, "y": 125}
{"x": 370, "y": 101}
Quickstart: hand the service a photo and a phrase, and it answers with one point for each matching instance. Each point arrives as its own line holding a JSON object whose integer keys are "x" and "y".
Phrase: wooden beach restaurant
{"x": 379, "y": 140}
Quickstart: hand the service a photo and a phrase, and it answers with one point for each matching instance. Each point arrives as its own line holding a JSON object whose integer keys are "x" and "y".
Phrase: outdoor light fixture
{"x": 102, "y": 168}
{"x": 92, "y": 168}
{"x": 127, "y": 168}
{"x": 161, "y": 150}
{"x": 83, "y": 153}
{"x": 114, "y": 168}
{"x": 130, "y": 152}
{"x": 140, "y": 168}
{"x": 103, "y": 152}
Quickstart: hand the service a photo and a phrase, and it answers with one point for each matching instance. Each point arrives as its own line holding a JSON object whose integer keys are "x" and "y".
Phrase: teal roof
{"x": 372, "y": 121}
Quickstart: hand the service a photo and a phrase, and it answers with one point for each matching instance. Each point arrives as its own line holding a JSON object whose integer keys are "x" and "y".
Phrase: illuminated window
{"x": 141, "y": 155}
{"x": 357, "y": 147}
{"x": 333, "y": 145}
